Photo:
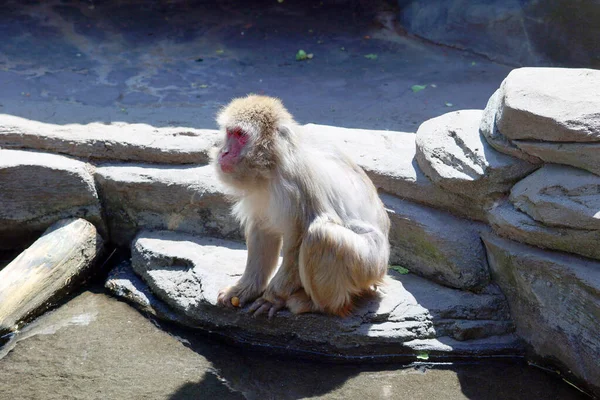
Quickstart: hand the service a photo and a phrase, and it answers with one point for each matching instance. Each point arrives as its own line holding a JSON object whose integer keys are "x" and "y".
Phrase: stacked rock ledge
{"x": 556, "y": 123}
{"x": 560, "y": 196}
{"x": 437, "y": 245}
{"x": 162, "y": 197}
{"x": 442, "y": 188}
{"x": 38, "y": 189}
{"x": 414, "y": 315}
{"x": 117, "y": 141}
{"x": 454, "y": 155}
{"x": 508, "y": 222}
{"x": 551, "y": 105}
{"x": 554, "y": 301}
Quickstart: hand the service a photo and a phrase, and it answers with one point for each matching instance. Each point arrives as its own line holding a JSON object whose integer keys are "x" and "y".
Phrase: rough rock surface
{"x": 581, "y": 155}
{"x": 389, "y": 160}
{"x": 513, "y": 224}
{"x": 516, "y": 32}
{"x": 38, "y": 189}
{"x": 51, "y": 267}
{"x": 489, "y": 129}
{"x": 560, "y": 196}
{"x": 454, "y": 155}
{"x": 437, "y": 245}
{"x": 555, "y": 302}
{"x": 550, "y": 104}
{"x": 413, "y": 316}
{"x": 117, "y": 141}
{"x": 181, "y": 198}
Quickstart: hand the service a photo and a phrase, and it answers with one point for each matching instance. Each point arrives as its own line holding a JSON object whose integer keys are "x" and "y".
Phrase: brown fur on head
{"x": 252, "y": 126}
{"x": 260, "y": 112}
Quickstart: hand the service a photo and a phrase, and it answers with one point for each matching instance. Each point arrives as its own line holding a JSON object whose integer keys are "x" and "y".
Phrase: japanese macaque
{"x": 311, "y": 203}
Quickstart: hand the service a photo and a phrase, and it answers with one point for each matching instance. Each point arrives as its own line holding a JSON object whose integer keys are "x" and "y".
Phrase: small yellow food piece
{"x": 235, "y": 301}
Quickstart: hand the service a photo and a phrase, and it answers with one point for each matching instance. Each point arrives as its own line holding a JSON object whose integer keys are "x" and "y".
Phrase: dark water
{"x": 96, "y": 347}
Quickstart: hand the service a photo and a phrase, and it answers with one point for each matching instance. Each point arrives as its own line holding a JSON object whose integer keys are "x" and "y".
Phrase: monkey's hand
{"x": 267, "y": 304}
{"x": 245, "y": 293}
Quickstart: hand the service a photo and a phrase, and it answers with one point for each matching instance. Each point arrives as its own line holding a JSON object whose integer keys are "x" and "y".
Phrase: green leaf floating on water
{"x": 417, "y": 88}
{"x": 371, "y": 56}
{"x": 399, "y": 269}
{"x": 422, "y": 356}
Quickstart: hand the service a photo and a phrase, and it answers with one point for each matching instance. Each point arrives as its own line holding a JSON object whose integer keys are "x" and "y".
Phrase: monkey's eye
{"x": 236, "y": 132}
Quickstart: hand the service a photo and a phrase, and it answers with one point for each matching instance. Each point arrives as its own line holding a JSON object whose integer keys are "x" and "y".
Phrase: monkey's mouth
{"x": 227, "y": 163}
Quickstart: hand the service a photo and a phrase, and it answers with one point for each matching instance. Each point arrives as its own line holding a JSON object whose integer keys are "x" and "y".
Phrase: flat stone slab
{"x": 560, "y": 196}
{"x": 116, "y": 141}
{"x": 388, "y": 158}
{"x": 44, "y": 273}
{"x": 550, "y": 104}
{"x": 38, "y": 189}
{"x": 581, "y": 155}
{"x": 181, "y": 276}
{"x": 455, "y": 156}
{"x": 182, "y": 198}
{"x": 511, "y": 223}
{"x": 489, "y": 129}
{"x": 555, "y": 302}
{"x": 437, "y": 245}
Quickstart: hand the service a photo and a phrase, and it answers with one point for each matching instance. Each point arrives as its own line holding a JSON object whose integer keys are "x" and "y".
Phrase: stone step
{"x": 564, "y": 111}
{"x": 511, "y": 223}
{"x": 180, "y": 198}
{"x": 190, "y": 199}
{"x": 117, "y": 141}
{"x": 387, "y": 156}
{"x": 555, "y": 303}
{"x": 560, "y": 196}
{"x": 455, "y": 156}
{"x": 181, "y": 276}
{"x": 38, "y": 189}
{"x": 558, "y": 123}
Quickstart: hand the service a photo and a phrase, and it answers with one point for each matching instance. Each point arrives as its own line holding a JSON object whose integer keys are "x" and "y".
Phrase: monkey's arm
{"x": 263, "y": 256}
{"x": 285, "y": 282}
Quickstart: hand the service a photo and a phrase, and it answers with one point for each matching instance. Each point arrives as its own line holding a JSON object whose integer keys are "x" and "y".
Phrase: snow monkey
{"x": 311, "y": 203}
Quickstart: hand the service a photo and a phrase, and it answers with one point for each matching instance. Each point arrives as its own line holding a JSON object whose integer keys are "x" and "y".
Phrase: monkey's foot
{"x": 245, "y": 294}
{"x": 271, "y": 306}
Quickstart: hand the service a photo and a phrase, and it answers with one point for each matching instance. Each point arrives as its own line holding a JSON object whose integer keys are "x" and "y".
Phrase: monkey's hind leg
{"x": 338, "y": 263}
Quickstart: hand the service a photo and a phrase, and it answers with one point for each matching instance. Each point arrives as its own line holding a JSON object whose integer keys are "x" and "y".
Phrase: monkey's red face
{"x": 231, "y": 153}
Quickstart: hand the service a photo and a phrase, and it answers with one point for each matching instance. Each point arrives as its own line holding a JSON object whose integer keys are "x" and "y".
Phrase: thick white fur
{"x": 313, "y": 202}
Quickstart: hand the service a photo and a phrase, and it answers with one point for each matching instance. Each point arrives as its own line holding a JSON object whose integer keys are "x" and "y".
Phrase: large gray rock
{"x": 454, "y": 155}
{"x": 38, "y": 189}
{"x": 581, "y": 155}
{"x": 437, "y": 245}
{"x": 511, "y": 223}
{"x": 550, "y": 104}
{"x": 517, "y": 32}
{"x": 555, "y": 302}
{"x": 413, "y": 315}
{"x": 47, "y": 271}
{"x": 560, "y": 196}
{"x": 117, "y": 141}
{"x": 489, "y": 129}
{"x": 389, "y": 160}
{"x": 180, "y": 198}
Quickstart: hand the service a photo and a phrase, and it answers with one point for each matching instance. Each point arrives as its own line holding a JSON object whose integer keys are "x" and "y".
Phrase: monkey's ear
{"x": 285, "y": 131}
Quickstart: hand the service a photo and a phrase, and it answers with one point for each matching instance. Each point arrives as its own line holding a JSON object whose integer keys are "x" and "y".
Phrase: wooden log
{"x": 47, "y": 271}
